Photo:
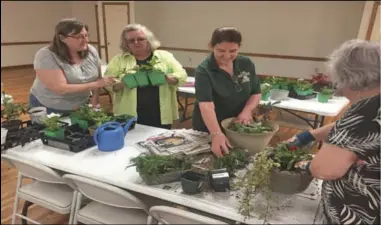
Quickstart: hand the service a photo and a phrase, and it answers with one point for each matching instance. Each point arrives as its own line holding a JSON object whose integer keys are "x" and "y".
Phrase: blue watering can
{"x": 110, "y": 136}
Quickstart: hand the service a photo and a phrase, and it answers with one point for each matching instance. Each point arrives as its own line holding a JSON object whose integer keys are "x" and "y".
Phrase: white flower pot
{"x": 38, "y": 114}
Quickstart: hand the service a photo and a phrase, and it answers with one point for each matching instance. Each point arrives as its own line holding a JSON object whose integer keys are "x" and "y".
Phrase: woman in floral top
{"x": 349, "y": 160}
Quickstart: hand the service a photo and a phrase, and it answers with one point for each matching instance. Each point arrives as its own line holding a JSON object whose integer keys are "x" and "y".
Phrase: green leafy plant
{"x": 257, "y": 180}
{"x": 84, "y": 113}
{"x": 236, "y": 159}
{"x": 52, "y": 123}
{"x": 150, "y": 65}
{"x": 251, "y": 128}
{"x": 326, "y": 91}
{"x": 12, "y": 111}
{"x": 272, "y": 80}
{"x": 155, "y": 165}
{"x": 265, "y": 88}
{"x": 303, "y": 85}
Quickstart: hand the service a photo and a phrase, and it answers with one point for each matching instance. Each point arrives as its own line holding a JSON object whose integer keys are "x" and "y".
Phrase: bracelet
{"x": 215, "y": 133}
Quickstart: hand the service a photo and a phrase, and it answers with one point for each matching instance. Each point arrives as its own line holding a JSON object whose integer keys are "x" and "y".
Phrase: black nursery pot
{"x": 12, "y": 125}
{"x": 192, "y": 182}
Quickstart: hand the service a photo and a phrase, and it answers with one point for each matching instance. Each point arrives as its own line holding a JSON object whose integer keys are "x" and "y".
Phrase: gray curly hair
{"x": 153, "y": 42}
{"x": 355, "y": 65}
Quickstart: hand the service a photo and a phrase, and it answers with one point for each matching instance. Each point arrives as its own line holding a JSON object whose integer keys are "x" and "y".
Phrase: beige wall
{"x": 35, "y": 22}
{"x": 309, "y": 29}
{"x": 366, "y": 20}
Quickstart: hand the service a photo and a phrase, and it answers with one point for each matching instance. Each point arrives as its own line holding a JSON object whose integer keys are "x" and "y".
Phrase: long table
{"x": 110, "y": 167}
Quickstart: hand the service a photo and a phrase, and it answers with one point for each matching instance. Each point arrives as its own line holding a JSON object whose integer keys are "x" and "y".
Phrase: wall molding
{"x": 33, "y": 43}
{"x": 261, "y": 55}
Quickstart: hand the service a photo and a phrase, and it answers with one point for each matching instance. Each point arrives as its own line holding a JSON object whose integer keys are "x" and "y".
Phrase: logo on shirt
{"x": 244, "y": 77}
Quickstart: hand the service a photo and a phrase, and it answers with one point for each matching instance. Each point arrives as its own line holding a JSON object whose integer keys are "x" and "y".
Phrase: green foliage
{"x": 326, "y": 91}
{"x": 150, "y": 65}
{"x": 84, "y": 113}
{"x": 303, "y": 85}
{"x": 252, "y": 128}
{"x": 12, "y": 111}
{"x": 265, "y": 88}
{"x": 155, "y": 165}
{"x": 256, "y": 181}
{"x": 272, "y": 80}
{"x": 287, "y": 156}
{"x": 52, "y": 123}
{"x": 236, "y": 159}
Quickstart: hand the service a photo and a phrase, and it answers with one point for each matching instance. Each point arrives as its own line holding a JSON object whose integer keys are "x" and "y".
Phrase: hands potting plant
{"x": 258, "y": 179}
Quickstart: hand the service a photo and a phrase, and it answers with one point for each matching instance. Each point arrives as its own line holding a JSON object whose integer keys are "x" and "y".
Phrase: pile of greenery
{"x": 236, "y": 159}
{"x": 12, "y": 111}
{"x": 251, "y": 128}
{"x": 155, "y": 165}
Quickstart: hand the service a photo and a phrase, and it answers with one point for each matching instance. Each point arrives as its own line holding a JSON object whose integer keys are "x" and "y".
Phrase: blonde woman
{"x": 153, "y": 105}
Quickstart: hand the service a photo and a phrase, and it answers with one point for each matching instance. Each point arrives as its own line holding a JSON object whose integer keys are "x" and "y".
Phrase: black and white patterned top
{"x": 355, "y": 198}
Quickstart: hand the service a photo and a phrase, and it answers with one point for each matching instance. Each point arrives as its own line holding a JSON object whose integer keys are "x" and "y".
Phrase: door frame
{"x": 372, "y": 19}
{"x": 104, "y": 22}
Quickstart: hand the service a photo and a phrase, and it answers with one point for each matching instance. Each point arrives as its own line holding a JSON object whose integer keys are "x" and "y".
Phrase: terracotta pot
{"x": 254, "y": 143}
{"x": 287, "y": 182}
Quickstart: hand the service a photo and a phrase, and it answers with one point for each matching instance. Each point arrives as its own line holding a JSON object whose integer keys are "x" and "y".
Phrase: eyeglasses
{"x": 136, "y": 40}
{"x": 78, "y": 37}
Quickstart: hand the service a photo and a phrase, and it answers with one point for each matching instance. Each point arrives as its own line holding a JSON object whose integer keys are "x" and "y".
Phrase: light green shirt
{"x": 125, "y": 100}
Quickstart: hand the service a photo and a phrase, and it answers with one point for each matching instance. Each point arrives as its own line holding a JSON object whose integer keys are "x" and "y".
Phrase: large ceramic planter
{"x": 322, "y": 98}
{"x": 254, "y": 143}
{"x": 287, "y": 182}
{"x": 129, "y": 81}
{"x": 156, "y": 78}
{"x": 163, "y": 178}
{"x": 141, "y": 78}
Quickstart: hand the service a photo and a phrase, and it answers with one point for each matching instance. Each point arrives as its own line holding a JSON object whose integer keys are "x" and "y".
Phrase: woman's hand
{"x": 245, "y": 117}
{"x": 220, "y": 144}
{"x": 171, "y": 79}
{"x": 118, "y": 86}
{"x": 105, "y": 81}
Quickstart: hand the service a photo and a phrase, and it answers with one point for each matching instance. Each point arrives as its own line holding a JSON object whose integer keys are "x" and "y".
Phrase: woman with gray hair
{"x": 153, "y": 105}
{"x": 349, "y": 160}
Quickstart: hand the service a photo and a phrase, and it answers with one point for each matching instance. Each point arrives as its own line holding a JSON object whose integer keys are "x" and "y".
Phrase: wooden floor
{"x": 17, "y": 83}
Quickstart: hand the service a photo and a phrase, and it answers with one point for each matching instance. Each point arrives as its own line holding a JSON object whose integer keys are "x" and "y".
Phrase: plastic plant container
{"x": 129, "y": 81}
{"x": 322, "y": 98}
{"x": 156, "y": 77}
{"x": 141, "y": 78}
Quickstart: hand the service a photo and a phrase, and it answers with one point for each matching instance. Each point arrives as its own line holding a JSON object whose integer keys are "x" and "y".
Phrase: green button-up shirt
{"x": 125, "y": 100}
{"x": 228, "y": 93}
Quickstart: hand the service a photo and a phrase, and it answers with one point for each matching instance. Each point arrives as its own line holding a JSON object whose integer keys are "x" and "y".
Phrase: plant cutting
{"x": 273, "y": 170}
{"x": 159, "y": 169}
{"x": 83, "y": 116}
{"x": 303, "y": 88}
{"x": 54, "y": 127}
{"x": 265, "y": 90}
{"x": 325, "y": 94}
{"x": 11, "y": 113}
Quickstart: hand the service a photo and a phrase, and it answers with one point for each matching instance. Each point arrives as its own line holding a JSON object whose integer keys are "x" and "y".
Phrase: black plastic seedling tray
{"x": 293, "y": 94}
{"x": 76, "y": 139}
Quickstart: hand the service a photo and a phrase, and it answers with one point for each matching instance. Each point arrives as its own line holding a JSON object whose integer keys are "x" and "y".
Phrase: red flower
{"x": 292, "y": 148}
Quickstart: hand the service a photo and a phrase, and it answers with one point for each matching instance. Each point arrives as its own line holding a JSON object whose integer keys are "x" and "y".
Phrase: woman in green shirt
{"x": 153, "y": 105}
{"x": 226, "y": 86}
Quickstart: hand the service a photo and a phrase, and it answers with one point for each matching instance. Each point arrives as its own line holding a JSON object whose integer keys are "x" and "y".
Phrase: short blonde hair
{"x": 152, "y": 40}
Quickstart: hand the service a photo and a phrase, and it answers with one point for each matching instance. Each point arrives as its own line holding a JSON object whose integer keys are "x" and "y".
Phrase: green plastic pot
{"x": 129, "y": 81}
{"x": 302, "y": 93}
{"x": 84, "y": 124}
{"x": 322, "y": 98}
{"x": 265, "y": 97}
{"x": 156, "y": 77}
{"x": 310, "y": 91}
{"x": 141, "y": 78}
{"x": 59, "y": 133}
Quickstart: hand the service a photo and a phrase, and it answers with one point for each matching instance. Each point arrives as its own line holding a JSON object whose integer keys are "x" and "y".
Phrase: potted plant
{"x": 273, "y": 170}
{"x": 156, "y": 77}
{"x": 238, "y": 158}
{"x": 254, "y": 136}
{"x": 129, "y": 79}
{"x": 11, "y": 113}
{"x": 83, "y": 116}
{"x": 273, "y": 81}
{"x": 160, "y": 169}
{"x": 320, "y": 80}
{"x": 54, "y": 127}
{"x": 303, "y": 88}
{"x": 325, "y": 94}
{"x": 284, "y": 83}
{"x": 99, "y": 117}
{"x": 265, "y": 90}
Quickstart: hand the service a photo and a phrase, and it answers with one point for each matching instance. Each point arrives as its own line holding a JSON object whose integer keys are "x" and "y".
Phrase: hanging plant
{"x": 267, "y": 165}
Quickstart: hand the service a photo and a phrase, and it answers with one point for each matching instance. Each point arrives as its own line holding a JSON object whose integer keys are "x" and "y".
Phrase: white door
{"x": 116, "y": 18}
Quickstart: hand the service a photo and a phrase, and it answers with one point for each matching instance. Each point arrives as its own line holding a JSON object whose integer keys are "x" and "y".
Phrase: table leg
{"x": 25, "y": 211}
